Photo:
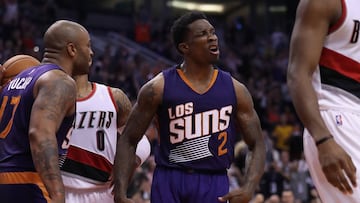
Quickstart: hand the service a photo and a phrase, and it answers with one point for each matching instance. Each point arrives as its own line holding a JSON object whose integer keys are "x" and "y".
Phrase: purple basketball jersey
{"x": 16, "y": 103}
{"x": 197, "y": 131}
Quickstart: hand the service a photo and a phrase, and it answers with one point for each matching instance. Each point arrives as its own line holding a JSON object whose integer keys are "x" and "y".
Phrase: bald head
{"x": 62, "y": 32}
{"x": 67, "y": 44}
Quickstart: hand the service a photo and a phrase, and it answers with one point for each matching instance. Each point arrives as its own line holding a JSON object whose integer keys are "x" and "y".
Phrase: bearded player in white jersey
{"x": 100, "y": 112}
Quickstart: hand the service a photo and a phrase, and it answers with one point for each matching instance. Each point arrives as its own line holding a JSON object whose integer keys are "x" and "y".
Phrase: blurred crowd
{"x": 257, "y": 60}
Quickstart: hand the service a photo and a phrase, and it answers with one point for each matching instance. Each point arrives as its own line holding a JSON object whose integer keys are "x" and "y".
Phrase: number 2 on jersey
{"x": 13, "y": 102}
{"x": 222, "y": 149}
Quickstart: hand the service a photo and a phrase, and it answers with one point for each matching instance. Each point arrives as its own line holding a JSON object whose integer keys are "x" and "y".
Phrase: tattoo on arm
{"x": 148, "y": 94}
{"x": 123, "y": 105}
{"x": 54, "y": 97}
{"x": 45, "y": 157}
{"x": 143, "y": 111}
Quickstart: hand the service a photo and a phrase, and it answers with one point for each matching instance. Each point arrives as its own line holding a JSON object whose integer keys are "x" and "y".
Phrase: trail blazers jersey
{"x": 337, "y": 79}
{"x": 196, "y": 130}
{"x": 93, "y": 142}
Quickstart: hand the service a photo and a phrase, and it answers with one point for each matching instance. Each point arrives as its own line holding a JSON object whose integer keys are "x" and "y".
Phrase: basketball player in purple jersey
{"x": 37, "y": 111}
{"x": 201, "y": 111}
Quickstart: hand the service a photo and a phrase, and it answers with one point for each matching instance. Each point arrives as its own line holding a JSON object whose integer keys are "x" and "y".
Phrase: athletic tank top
{"x": 337, "y": 77}
{"x": 16, "y": 103}
{"x": 197, "y": 131}
{"x": 92, "y": 144}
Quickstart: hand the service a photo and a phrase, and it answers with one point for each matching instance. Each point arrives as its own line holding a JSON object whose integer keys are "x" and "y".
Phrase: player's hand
{"x": 117, "y": 197}
{"x": 337, "y": 166}
{"x": 242, "y": 195}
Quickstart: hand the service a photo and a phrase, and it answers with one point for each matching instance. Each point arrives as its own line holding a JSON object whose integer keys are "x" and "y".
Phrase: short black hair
{"x": 180, "y": 26}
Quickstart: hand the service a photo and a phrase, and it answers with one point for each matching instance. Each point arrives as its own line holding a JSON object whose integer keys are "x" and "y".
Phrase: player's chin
{"x": 214, "y": 58}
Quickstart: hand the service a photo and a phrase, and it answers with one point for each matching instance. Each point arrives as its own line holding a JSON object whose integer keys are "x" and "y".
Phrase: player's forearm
{"x": 306, "y": 104}
{"x": 255, "y": 160}
{"x": 123, "y": 167}
{"x": 46, "y": 162}
{"x": 255, "y": 163}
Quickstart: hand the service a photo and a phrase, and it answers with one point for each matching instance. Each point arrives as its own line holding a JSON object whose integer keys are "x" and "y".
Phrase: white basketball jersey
{"x": 92, "y": 147}
{"x": 337, "y": 78}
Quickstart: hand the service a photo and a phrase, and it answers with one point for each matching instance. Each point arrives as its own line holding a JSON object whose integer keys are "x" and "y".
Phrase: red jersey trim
{"x": 89, "y": 158}
{"x": 340, "y": 63}
{"x": 90, "y": 95}
{"x": 113, "y": 99}
{"x": 341, "y": 19}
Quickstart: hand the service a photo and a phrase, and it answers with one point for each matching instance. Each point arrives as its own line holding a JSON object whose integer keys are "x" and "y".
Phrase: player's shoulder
{"x": 56, "y": 75}
{"x": 57, "y": 78}
{"x": 116, "y": 92}
{"x": 237, "y": 82}
{"x": 239, "y": 87}
{"x": 156, "y": 82}
{"x": 315, "y": 9}
{"x": 56, "y": 85}
{"x": 152, "y": 91}
{"x": 154, "y": 87}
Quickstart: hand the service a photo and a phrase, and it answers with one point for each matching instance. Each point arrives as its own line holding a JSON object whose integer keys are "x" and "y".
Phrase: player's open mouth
{"x": 214, "y": 49}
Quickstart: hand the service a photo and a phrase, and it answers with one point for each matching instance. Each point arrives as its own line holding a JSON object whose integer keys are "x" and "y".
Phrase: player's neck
{"x": 84, "y": 88}
{"x": 197, "y": 72}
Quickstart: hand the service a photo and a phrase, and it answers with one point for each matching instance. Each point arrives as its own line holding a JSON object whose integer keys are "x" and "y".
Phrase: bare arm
{"x": 149, "y": 99}
{"x": 123, "y": 110}
{"x": 250, "y": 128}
{"x": 314, "y": 17}
{"x": 311, "y": 27}
{"x": 249, "y": 125}
{"x": 123, "y": 105}
{"x": 55, "y": 98}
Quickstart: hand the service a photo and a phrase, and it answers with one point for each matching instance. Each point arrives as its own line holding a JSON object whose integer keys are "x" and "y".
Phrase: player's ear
{"x": 70, "y": 47}
{"x": 183, "y": 47}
